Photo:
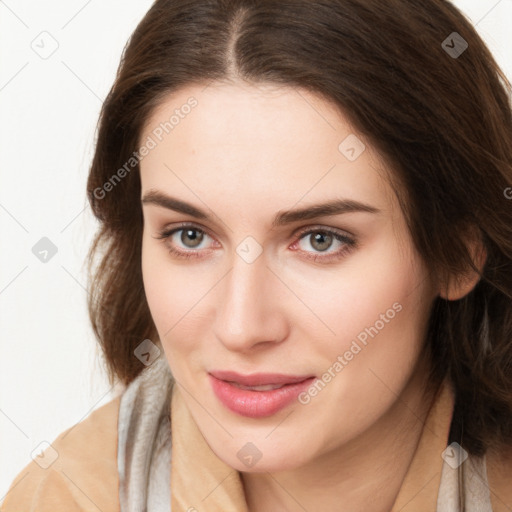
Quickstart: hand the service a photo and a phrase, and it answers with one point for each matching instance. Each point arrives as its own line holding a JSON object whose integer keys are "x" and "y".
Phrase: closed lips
{"x": 257, "y": 395}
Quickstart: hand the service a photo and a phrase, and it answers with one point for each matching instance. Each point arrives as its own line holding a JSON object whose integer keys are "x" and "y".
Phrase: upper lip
{"x": 259, "y": 379}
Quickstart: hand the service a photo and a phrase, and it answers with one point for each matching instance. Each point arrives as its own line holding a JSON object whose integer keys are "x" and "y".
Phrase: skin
{"x": 243, "y": 154}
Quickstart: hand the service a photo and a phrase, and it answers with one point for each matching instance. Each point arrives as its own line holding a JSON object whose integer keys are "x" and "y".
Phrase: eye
{"x": 321, "y": 240}
{"x": 183, "y": 241}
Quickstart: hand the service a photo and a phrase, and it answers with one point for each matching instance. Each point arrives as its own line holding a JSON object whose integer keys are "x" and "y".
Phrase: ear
{"x": 458, "y": 286}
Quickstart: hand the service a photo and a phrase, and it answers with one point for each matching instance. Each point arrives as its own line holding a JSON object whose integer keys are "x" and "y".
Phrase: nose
{"x": 250, "y": 310}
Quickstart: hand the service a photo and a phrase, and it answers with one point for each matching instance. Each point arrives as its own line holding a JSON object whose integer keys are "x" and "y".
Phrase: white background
{"x": 50, "y": 371}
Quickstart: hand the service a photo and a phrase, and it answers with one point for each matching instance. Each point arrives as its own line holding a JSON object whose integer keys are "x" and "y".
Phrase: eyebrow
{"x": 333, "y": 207}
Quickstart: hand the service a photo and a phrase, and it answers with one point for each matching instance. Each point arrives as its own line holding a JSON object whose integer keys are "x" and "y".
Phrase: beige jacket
{"x": 85, "y": 476}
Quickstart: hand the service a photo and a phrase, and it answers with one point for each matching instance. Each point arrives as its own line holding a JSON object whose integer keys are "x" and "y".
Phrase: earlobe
{"x": 458, "y": 286}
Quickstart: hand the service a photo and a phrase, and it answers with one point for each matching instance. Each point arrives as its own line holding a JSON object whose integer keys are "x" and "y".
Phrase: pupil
{"x": 193, "y": 235}
{"x": 322, "y": 241}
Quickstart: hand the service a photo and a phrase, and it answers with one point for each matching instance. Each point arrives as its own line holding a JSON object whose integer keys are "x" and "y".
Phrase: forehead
{"x": 259, "y": 142}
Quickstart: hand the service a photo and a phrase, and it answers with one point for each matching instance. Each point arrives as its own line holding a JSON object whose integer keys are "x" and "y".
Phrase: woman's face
{"x": 335, "y": 301}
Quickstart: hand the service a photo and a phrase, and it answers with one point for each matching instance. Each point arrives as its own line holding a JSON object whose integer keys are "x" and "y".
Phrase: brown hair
{"x": 441, "y": 120}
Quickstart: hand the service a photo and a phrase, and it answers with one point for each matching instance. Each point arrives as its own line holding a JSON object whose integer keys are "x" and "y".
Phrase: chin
{"x": 267, "y": 466}
{"x": 254, "y": 457}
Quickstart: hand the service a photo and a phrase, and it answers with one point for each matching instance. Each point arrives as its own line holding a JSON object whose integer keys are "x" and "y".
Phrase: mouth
{"x": 257, "y": 395}
{"x": 265, "y": 387}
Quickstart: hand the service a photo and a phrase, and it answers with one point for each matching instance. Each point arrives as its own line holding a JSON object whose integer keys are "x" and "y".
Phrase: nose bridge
{"x": 246, "y": 313}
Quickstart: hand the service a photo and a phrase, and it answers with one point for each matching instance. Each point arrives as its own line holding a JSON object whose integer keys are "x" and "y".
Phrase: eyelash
{"x": 349, "y": 243}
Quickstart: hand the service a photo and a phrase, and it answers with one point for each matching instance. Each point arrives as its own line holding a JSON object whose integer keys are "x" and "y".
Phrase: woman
{"x": 306, "y": 266}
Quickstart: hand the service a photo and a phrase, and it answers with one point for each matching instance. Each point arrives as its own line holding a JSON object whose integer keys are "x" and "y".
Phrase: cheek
{"x": 174, "y": 292}
{"x": 152, "y": 268}
{"x": 378, "y": 310}
{"x": 161, "y": 286}
{"x": 372, "y": 357}
{"x": 372, "y": 289}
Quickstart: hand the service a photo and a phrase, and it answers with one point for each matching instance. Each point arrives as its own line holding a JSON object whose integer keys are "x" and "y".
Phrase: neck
{"x": 366, "y": 474}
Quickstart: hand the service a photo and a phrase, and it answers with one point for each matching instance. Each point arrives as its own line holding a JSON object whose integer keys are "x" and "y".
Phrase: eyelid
{"x": 166, "y": 232}
{"x": 320, "y": 227}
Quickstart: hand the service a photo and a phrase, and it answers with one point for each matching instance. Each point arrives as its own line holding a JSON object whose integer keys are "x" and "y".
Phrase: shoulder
{"x": 78, "y": 472}
{"x": 499, "y": 476}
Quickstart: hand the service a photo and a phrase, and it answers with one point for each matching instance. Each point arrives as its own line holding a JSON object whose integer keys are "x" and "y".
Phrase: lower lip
{"x": 257, "y": 404}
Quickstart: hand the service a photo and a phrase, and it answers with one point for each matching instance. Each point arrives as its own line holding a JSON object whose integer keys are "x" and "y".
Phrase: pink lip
{"x": 257, "y": 404}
